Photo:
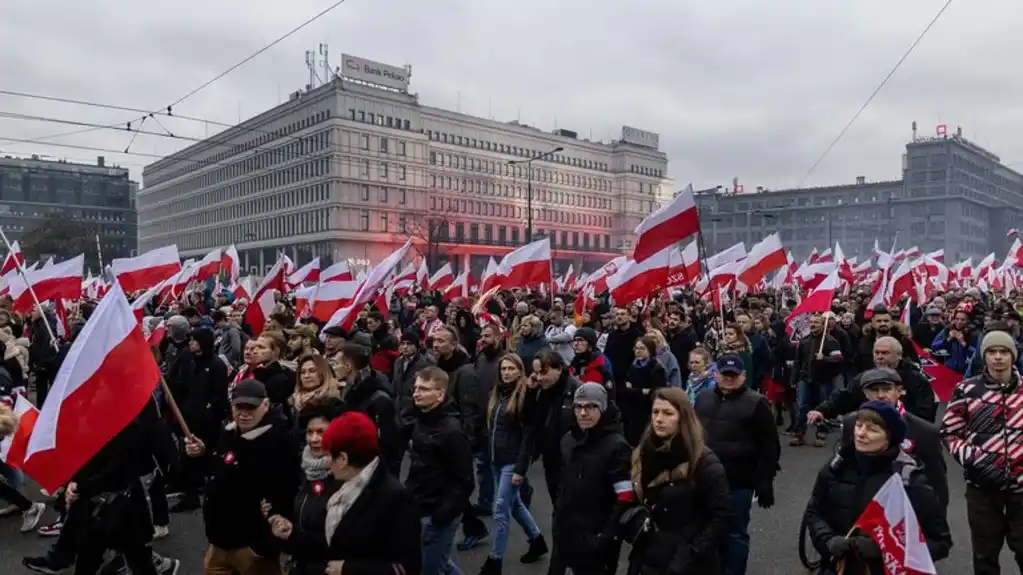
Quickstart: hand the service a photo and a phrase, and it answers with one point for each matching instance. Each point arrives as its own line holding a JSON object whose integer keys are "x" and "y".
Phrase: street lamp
{"x": 529, "y": 187}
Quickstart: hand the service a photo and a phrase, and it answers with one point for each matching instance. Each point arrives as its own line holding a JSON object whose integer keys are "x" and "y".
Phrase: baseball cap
{"x": 248, "y": 392}
{"x": 731, "y": 365}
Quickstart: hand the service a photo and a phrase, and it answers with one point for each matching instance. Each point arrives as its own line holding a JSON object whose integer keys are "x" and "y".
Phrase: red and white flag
{"x": 442, "y": 278}
{"x": 637, "y": 280}
{"x": 670, "y": 224}
{"x": 308, "y": 273}
{"x": 231, "y": 264}
{"x": 528, "y": 266}
{"x": 106, "y": 379}
{"x": 14, "y": 446}
{"x": 209, "y": 265}
{"x": 13, "y": 259}
{"x": 345, "y": 316}
{"x": 146, "y": 270}
{"x": 339, "y": 272}
{"x": 763, "y": 258}
{"x": 263, "y": 299}
{"x": 63, "y": 280}
{"x": 818, "y": 301}
{"x": 890, "y": 521}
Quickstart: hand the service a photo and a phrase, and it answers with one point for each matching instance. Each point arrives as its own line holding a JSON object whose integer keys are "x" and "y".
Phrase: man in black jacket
{"x": 553, "y": 416}
{"x": 440, "y": 476}
{"x": 681, "y": 339}
{"x": 740, "y": 430}
{"x": 923, "y": 439}
{"x": 368, "y": 391}
{"x": 255, "y": 460}
{"x": 819, "y": 362}
{"x": 621, "y": 341}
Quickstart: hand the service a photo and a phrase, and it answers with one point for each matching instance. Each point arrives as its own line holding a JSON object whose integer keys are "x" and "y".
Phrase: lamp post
{"x": 529, "y": 187}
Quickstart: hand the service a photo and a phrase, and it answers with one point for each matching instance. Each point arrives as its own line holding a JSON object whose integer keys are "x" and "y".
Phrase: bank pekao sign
{"x": 375, "y": 72}
{"x": 639, "y": 137}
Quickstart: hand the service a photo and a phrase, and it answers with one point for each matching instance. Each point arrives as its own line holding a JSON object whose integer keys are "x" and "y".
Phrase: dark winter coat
{"x": 279, "y": 382}
{"x": 509, "y": 437}
{"x": 848, "y": 483}
{"x": 405, "y": 370}
{"x": 371, "y": 393}
{"x": 553, "y": 417}
{"x": 620, "y": 351}
{"x": 740, "y": 429}
{"x": 689, "y": 509}
{"x": 440, "y": 476}
{"x": 308, "y": 542}
{"x": 380, "y": 533}
{"x": 465, "y": 390}
{"x": 528, "y": 347}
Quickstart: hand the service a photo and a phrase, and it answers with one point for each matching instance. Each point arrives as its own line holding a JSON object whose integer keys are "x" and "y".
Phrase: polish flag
{"x": 984, "y": 266}
{"x": 637, "y": 280}
{"x": 209, "y": 266}
{"x": 13, "y": 260}
{"x": 732, "y": 254}
{"x": 458, "y": 288}
{"x": 138, "y": 306}
{"x": 423, "y": 276}
{"x": 324, "y": 299}
{"x": 491, "y": 276}
{"x": 231, "y": 263}
{"x": 763, "y": 258}
{"x": 901, "y": 283}
{"x": 819, "y": 300}
{"x": 243, "y": 288}
{"x": 442, "y": 278}
{"x": 339, "y": 272}
{"x": 154, "y": 337}
{"x": 104, "y": 382}
{"x": 685, "y": 265}
{"x": 308, "y": 273}
{"x": 63, "y": 280}
{"x": 263, "y": 300}
{"x": 825, "y": 257}
{"x": 528, "y": 266}
{"x": 598, "y": 279}
{"x": 889, "y": 519}
{"x": 725, "y": 275}
{"x": 938, "y": 255}
{"x": 147, "y": 270}
{"x": 346, "y": 316}
{"x": 405, "y": 280}
{"x": 672, "y": 223}
{"x": 14, "y": 446}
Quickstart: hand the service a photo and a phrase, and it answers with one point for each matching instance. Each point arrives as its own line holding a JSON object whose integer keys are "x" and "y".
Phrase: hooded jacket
{"x": 465, "y": 390}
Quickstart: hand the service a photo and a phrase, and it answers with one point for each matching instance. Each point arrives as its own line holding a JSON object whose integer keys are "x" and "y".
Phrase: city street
{"x": 774, "y": 532}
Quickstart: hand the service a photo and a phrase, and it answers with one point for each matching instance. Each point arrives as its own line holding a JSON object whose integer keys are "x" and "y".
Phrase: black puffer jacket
{"x": 308, "y": 544}
{"x": 509, "y": 437}
{"x": 740, "y": 429}
{"x": 371, "y": 393}
{"x": 440, "y": 475}
{"x": 279, "y": 382}
{"x": 553, "y": 417}
{"x": 848, "y": 483}
{"x": 465, "y": 389}
{"x": 689, "y": 507}
{"x": 918, "y": 399}
{"x": 596, "y": 466}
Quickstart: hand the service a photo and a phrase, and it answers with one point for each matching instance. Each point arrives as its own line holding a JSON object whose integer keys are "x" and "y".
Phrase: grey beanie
{"x": 592, "y": 393}
{"x": 998, "y": 339}
{"x": 178, "y": 328}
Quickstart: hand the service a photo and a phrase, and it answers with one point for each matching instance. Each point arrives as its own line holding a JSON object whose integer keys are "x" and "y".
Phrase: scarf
{"x": 344, "y": 498}
{"x": 315, "y": 468}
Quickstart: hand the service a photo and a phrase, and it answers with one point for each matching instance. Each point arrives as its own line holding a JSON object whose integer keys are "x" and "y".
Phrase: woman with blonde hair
{"x": 683, "y": 487}
{"x": 313, "y": 381}
{"x": 510, "y": 456}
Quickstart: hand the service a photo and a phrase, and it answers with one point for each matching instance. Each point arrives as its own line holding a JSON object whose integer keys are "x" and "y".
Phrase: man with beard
{"x": 881, "y": 324}
{"x": 368, "y": 391}
{"x": 817, "y": 366}
{"x": 681, "y": 339}
{"x": 621, "y": 341}
{"x": 465, "y": 390}
{"x": 491, "y": 348}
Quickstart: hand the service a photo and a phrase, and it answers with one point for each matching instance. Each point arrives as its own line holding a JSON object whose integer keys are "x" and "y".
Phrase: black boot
{"x": 491, "y": 567}
{"x": 537, "y": 549}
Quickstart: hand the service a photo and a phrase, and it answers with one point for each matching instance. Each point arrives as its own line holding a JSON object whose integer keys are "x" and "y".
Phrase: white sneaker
{"x": 160, "y": 531}
{"x": 9, "y": 510}
{"x": 30, "y": 518}
{"x": 166, "y": 565}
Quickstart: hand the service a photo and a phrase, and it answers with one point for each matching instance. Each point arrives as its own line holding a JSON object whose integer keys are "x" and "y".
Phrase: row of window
{"x": 383, "y": 145}
{"x": 189, "y": 163}
{"x": 269, "y": 205}
{"x": 542, "y": 195}
{"x": 646, "y": 171}
{"x": 282, "y": 226}
{"x": 515, "y": 150}
{"x": 379, "y": 120}
{"x": 384, "y": 195}
{"x": 299, "y": 148}
{"x": 523, "y": 171}
{"x": 502, "y": 210}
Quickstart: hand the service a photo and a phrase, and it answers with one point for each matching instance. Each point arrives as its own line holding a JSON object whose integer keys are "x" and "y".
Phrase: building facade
{"x": 351, "y": 171}
{"x": 99, "y": 197}
{"x": 953, "y": 195}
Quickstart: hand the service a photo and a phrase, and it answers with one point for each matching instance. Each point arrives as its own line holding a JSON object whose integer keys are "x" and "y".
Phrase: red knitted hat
{"x": 353, "y": 433}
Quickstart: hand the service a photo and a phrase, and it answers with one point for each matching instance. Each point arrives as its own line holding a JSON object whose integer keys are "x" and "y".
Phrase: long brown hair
{"x": 328, "y": 384}
{"x": 690, "y": 437}
{"x": 518, "y": 395}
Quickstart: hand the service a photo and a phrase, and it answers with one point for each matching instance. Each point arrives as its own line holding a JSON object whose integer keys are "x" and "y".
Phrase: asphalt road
{"x": 774, "y": 532}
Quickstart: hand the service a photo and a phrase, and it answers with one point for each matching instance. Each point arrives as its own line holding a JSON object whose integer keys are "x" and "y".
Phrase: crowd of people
{"x": 395, "y": 445}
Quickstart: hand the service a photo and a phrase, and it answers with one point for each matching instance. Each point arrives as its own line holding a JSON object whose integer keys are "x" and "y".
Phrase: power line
{"x": 255, "y": 54}
{"x": 876, "y": 92}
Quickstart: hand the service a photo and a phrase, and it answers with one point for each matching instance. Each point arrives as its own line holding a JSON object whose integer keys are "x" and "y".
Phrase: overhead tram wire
{"x": 876, "y": 92}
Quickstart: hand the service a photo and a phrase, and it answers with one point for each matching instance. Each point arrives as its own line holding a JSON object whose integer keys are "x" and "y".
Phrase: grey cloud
{"x": 735, "y": 88}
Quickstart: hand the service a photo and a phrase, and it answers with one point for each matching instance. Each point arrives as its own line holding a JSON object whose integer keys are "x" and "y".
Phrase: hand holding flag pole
{"x": 39, "y": 306}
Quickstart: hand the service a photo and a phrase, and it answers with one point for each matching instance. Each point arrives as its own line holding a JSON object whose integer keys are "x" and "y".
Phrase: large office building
{"x": 352, "y": 169}
{"x": 97, "y": 197}
{"x": 953, "y": 195}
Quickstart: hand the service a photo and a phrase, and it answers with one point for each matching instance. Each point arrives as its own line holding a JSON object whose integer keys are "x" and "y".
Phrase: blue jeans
{"x": 437, "y": 542}
{"x": 735, "y": 546}
{"x": 508, "y": 504}
{"x": 810, "y": 395}
{"x": 484, "y": 481}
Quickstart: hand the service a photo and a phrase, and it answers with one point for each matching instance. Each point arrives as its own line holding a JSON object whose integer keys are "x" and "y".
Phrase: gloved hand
{"x": 765, "y": 495}
{"x": 839, "y": 546}
{"x": 866, "y": 547}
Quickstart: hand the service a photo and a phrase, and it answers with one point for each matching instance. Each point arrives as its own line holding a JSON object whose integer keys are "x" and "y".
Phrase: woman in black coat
{"x": 683, "y": 486}
{"x": 371, "y": 523}
{"x": 644, "y": 376}
{"x": 851, "y": 480}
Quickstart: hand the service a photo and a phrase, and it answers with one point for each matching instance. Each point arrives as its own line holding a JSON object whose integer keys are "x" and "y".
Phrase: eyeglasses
{"x": 585, "y": 407}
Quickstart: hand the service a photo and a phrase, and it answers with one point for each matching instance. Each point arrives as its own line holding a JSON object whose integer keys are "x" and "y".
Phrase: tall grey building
{"x": 352, "y": 169}
{"x": 953, "y": 195}
{"x": 100, "y": 197}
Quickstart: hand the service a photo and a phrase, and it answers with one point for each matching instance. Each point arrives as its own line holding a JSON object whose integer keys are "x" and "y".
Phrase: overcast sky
{"x": 736, "y": 88}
